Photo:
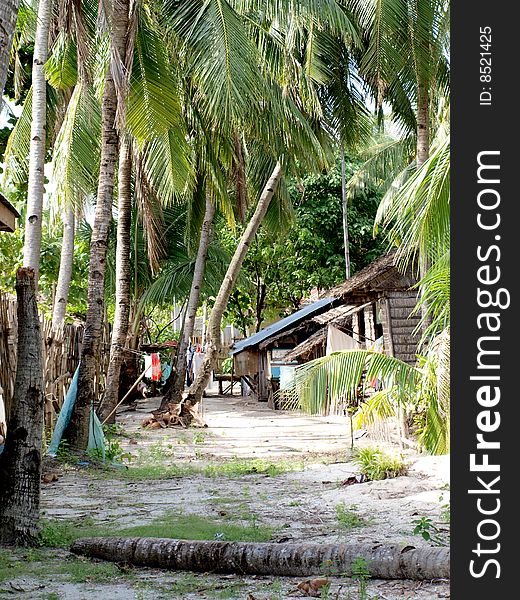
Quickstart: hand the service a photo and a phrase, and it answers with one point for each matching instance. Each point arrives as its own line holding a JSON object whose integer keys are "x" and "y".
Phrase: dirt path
{"x": 285, "y": 505}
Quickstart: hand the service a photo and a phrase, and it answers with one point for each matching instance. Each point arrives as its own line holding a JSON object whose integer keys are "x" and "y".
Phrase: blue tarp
{"x": 96, "y": 439}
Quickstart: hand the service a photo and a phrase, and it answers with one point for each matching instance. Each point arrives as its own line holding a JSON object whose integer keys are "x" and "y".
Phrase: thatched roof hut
{"x": 375, "y": 305}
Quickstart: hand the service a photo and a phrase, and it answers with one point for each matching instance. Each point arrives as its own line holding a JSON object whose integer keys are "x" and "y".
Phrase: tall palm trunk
{"x": 423, "y": 123}
{"x": 78, "y": 429}
{"x": 8, "y": 15}
{"x": 65, "y": 273}
{"x": 215, "y": 320}
{"x": 123, "y": 280}
{"x": 345, "y": 213}
{"x": 33, "y": 221}
{"x": 422, "y": 154}
{"x": 174, "y": 392}
{"x": 20, "y": 462}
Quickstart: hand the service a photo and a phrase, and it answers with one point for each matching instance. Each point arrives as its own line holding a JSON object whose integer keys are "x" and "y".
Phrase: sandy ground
{"x": 299, "y": 505}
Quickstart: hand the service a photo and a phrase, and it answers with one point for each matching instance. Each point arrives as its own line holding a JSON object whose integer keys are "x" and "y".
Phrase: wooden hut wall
{"x": 246, "y": 362}
{"x": 263, "y": 374}
{"x": 401, "y": 305}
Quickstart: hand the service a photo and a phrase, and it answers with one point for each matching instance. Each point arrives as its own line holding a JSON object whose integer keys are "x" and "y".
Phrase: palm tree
{"x": 215, "y": 320}
{"x": 122, "y": 299}
{"x": 289, "y": 93}
{"x": 78, "y": 429}
{"x": 33, "y": 221}
{"x": 174, "y": 392}
{"x": 65, "y": 272}
{"x": 20, "y": 462}
{"x": 8, "y": 14}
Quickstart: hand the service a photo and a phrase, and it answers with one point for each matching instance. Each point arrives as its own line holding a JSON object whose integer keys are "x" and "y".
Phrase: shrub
{"x": 376, "y": 464}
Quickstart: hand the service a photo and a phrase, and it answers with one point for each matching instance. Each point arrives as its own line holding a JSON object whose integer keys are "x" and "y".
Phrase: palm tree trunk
{"x": 33, "y": 221}
{"x": 78, "y": 429}
{"x": 123, "y": 280}
{"x": 286, "y": 560}
{"x": 65, "y": 273}
{"x": 174, "y": 391}
{"x": 422, "y": 154}
{"x": 215, "y": 320}
{"x": 8, "y": 15}
{"x": 345, "y": 214}
{"x": 423, "y": 124}
{"x": 20, "y": 462}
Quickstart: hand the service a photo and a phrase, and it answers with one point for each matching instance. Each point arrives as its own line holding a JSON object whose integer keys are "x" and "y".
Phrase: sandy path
{"x": 298, "y": 505}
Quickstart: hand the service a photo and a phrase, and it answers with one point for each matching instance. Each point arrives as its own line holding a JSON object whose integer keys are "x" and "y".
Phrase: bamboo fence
{"x": 61, "y": 354}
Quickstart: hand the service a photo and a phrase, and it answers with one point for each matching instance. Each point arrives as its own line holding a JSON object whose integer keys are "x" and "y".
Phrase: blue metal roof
{"x": 285, "y": 323}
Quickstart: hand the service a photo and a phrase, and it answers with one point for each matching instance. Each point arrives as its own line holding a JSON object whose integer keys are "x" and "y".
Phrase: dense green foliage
{"x": 281, "y": 270}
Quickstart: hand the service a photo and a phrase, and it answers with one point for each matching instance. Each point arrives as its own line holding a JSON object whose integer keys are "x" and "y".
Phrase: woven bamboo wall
{"x": 61, "y": 354}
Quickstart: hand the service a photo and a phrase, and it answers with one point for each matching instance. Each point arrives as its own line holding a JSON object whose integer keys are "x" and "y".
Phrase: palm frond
{"x": 16, "y": 156}
{"x": 416, "y": 214}
{"x": 75, "y": 163}
{"x": 331, "y": 383}
{"x": 153, "y": 106}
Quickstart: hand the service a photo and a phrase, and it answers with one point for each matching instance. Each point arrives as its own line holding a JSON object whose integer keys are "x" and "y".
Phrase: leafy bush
{"x": 376, "y": 464}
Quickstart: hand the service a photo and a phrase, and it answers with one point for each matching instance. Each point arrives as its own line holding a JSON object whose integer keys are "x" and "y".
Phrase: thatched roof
{"x": 379, "y": 274}
{"x": 338, "y": 314}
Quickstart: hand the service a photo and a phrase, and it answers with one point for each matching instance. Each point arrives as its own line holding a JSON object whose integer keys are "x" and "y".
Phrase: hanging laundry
{"x": 156, "y": 367}
{"x": 337, "y": 341}
{"x": 148, "y": 365}
{"x": 198, "y": 358}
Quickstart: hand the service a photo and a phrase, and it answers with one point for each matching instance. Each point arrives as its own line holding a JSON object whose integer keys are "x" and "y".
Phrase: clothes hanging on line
{"x": 156, "y": 367}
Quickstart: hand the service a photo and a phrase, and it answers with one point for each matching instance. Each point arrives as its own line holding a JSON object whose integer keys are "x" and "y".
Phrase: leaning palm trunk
{"x": 78, "y": 429}
{"x": 174, "y": 392}
{"x": 33, "y": 221}
{"x": 20, "y": 462}
{"x": 8, "y": 15}
{"x": 215, "y": 320}
{"x": 303, "y": 560}
{"x": 65, "y": 273}
{"x": 123, "y": 278}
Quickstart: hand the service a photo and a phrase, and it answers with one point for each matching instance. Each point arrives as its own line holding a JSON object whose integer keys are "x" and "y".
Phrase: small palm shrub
{"x": 375, "y": 464}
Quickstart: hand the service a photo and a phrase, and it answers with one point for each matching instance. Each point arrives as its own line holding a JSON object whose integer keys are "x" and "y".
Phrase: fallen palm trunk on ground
{"x": 383, "y": 562}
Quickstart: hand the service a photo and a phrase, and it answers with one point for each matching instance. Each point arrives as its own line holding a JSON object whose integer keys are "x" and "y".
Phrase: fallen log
{"x": 305, "y": 559}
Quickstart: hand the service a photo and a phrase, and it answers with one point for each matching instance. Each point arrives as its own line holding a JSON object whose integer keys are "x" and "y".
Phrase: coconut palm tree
{"x": 33, "y": 221}
{"x": 114, "y": 83}
{"x": 290, "y": 47}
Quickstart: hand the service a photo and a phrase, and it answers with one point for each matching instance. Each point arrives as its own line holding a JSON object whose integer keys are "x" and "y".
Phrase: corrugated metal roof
{"x": 286, "y": 323}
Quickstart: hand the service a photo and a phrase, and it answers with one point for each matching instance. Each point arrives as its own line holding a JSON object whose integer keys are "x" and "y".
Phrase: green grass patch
{"x": 85, "y": 571}
{"x": 195, "y": 527}
{"x": 347, "y": 516}
{"x": 61, "y": 534}
{"x": 145, "y": 469}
